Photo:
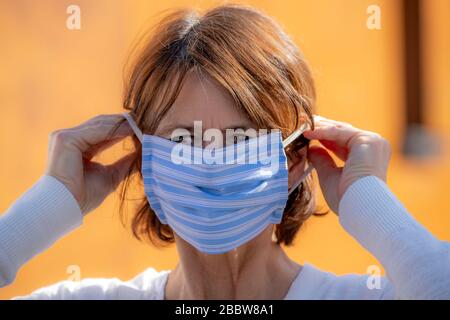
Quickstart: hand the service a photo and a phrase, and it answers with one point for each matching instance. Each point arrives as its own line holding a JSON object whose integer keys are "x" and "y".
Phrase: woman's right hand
{"x": 365, "y": 153}
{"x": 70, "y": 154}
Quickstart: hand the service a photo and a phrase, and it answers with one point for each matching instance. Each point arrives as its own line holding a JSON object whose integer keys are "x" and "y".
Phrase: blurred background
{"x": 394, "y": 80}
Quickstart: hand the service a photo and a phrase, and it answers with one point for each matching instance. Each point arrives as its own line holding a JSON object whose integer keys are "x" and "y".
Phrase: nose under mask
{"x": 217, "y": 207}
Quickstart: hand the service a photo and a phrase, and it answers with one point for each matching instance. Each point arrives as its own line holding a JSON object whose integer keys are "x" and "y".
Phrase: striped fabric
{"x": 216, "y": 207}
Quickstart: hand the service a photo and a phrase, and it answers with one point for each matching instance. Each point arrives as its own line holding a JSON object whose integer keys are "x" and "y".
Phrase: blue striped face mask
{"x": 220, "y": 206}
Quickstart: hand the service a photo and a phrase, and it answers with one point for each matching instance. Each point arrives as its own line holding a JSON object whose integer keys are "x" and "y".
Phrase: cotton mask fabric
{"x": 217, "y": 207}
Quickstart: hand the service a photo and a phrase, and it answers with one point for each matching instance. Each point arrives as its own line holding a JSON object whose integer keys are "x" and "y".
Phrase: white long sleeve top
{"x": 417, "y": 264}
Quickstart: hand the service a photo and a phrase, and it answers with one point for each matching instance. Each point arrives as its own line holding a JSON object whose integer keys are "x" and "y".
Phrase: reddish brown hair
{"x": 252, "y": 58}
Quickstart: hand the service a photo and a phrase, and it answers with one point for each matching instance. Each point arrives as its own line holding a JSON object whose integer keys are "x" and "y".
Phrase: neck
{"x": 259, "y": 269}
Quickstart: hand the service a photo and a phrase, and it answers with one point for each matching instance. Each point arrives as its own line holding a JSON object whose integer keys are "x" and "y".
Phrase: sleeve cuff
{"x": 44, "y": 213}
{"x": 371, "y": 213}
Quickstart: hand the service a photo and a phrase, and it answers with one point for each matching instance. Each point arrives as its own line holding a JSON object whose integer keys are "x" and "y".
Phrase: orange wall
{"x": 51, "y": 78}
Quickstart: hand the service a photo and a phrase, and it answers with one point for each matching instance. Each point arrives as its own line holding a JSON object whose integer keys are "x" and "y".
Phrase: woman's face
{"x": 202, "y": 99}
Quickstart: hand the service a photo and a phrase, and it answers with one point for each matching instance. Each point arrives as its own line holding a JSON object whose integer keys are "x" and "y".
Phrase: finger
{"x": 318, "y": 119}
{"x": 321, "y": 160}
{"x": 102, "y": 118}
{"x": 340, "y": 134}
{"x": 119, "y": 169}
{"x": 100, "y": 147}
{"x": 339, "y": 151}
{"x": 328, "y": 174}
{"x": 96, "y": 131}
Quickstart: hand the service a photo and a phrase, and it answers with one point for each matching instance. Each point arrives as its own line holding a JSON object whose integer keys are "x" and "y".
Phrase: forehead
{"x": 203, "y": 99}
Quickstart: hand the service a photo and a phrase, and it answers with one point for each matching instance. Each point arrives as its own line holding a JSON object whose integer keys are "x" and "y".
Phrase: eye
{"x": 187, "y": 139}
{"x": 238, "y": 139}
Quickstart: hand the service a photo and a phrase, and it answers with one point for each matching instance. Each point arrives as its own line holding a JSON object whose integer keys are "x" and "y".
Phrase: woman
{"x": 233, "y": 67}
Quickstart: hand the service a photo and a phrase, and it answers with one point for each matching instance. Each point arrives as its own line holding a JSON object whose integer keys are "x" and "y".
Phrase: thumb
{"x": 120, "y": 169}
{"x": 328, "y": 173}
{"x": 322, "y": 162}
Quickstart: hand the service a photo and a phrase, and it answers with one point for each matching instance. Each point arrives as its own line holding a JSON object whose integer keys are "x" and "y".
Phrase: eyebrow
{"x": 170, "y": 128}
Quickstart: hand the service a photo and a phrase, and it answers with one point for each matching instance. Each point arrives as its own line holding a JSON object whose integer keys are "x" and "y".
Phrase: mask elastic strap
{"x": 133, "y": 125}
{"x": 294, "y": 135}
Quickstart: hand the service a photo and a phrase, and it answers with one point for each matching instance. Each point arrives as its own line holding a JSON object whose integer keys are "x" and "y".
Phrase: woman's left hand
{"x": 365, "y": 153}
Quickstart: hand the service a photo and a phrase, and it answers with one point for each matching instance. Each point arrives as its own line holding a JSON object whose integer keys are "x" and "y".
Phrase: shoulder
{"x": 148, "y": 285}
{"x": 315, "y": 284}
